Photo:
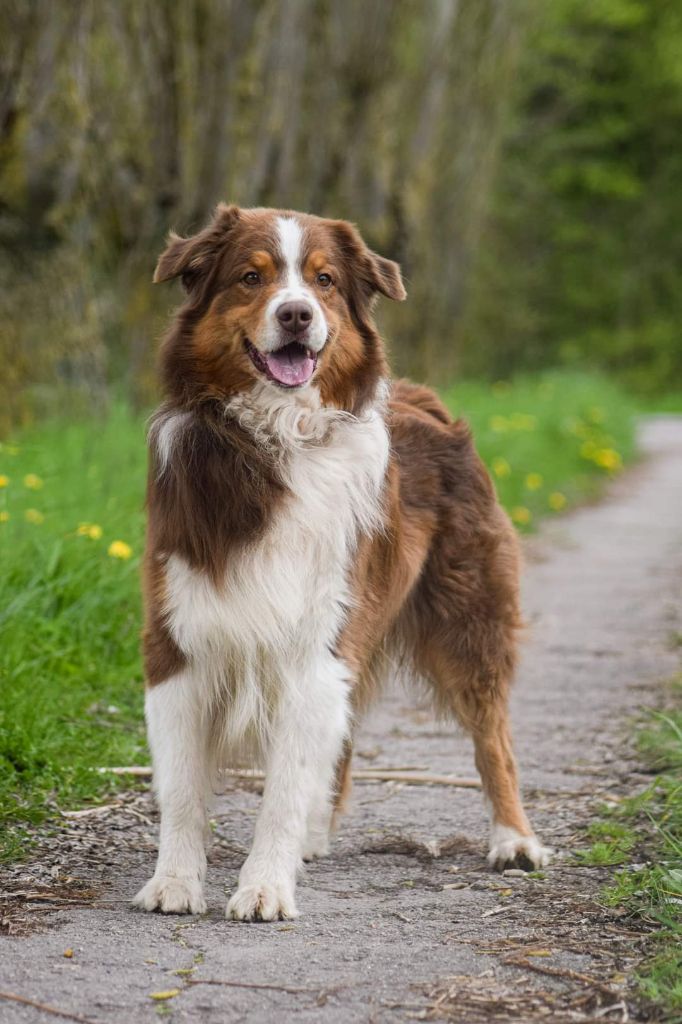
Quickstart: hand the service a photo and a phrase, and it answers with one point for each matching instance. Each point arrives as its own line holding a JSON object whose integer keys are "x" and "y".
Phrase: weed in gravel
{"x": 649, "y": 827}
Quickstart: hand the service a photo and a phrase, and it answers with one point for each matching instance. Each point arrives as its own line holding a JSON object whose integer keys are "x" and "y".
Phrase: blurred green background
{"x": 520, "y": 159}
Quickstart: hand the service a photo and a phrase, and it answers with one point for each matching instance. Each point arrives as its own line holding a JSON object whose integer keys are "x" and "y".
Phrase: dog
{"x": 310, "y": 525}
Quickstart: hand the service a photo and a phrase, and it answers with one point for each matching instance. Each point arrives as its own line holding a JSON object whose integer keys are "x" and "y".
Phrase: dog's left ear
{"x": 387, "y": 277}
{"x": 191, "y": 259}
{"x": 366, "y": 272}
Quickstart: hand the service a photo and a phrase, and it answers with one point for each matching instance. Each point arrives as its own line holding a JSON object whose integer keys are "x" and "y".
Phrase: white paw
{"x": 264, "y": 901}
{"x": 315, "y": 845}
{"x": 508, "y": 849}
{"x": 172, "y": 895}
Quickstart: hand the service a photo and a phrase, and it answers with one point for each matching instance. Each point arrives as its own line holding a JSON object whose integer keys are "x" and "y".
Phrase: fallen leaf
{"x": 538, "y": 952}
{"x": 170, "y": 993}
{"x": 68, "y": 953}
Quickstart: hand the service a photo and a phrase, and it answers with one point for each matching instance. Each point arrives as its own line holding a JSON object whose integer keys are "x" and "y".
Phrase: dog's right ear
{"x": 192, "y": 258}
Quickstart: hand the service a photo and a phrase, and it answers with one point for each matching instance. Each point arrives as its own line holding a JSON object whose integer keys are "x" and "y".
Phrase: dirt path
{"x": 390, "y": 932}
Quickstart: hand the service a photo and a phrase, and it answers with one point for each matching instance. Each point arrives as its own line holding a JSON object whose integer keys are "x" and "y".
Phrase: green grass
{"x": 644, "y": 836}
{"x": 669, "y": 403}
{"x": 70, "y": 678}
{"x": 70, "y": 674}
{"x": 549, "y": 440}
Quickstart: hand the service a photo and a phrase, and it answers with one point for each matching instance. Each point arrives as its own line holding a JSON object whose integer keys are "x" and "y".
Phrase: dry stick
{"x": 415, "y": 778}
{"x": 14, "y": 998}
{"x": 270, "y": 988}
{"x": 566, "y": 973}
{"x": 363, "y": 774}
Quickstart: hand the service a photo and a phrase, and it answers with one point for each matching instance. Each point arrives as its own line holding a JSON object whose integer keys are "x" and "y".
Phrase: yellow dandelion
{"x": 33, "y": 482}
{"x": 556, "y": 501}
{"x": 4, "y": 517}
{"x": 119, "y": 549}
{"x": 4, "y": 480}
{"x": 499, "y": 424}
{"x": 534, "y": 481}
{"x": 91, "y": 530}
{"x": 32, "y": 515}
{"x": 501, "y": 467}
{"x": 609, "y": 459}
{"x": 521, "y": 515}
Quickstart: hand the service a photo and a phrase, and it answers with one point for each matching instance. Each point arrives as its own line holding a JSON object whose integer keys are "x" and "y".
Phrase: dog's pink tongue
{"x": 291, "y": 365}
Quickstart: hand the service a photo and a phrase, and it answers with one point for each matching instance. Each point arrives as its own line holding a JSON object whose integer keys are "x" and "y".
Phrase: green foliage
{"x": 70, "y": 674}
{"x": 581, "y": 255}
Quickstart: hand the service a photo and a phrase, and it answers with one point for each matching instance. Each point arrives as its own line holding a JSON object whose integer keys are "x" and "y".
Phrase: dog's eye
{"x": 251, "y": 278}
{"x": 324, "y": 280}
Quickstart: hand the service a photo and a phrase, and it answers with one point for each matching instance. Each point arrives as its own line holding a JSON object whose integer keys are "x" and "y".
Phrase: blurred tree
{"x": 581, "y": 256}
{"x": 534, "y": 213}
{"x": 122, "y": 118}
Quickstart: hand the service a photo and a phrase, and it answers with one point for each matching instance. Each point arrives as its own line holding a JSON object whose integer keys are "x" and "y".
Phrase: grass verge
{"x": 549, "y": 440}
{"x": 71, "y": 528}
{"x": 643, "y": 837}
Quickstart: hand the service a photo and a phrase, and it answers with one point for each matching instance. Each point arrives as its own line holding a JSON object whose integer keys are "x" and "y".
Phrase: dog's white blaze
{"x": 259, "y": 646}
{"x": 290, "y": 244}
{"x": 290, "y": 235}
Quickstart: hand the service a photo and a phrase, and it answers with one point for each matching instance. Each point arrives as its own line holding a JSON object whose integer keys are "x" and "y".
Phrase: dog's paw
{"x": 172, "y": 895}
{"x": 510, "y": 849}
{"x": 264, "y": 901}
{"x": 315, "y": 845}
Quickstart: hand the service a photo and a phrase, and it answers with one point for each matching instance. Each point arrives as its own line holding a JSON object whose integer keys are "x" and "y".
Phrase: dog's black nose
{"x": 295, "y": 317}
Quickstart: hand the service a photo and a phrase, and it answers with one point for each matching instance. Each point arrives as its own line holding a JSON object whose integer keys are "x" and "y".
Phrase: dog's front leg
{"x": 310, "y": 726}
{"x": 177, "y": 728}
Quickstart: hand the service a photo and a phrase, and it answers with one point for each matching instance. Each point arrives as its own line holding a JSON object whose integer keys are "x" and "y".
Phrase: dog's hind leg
{"x": 327, "y": 805}
{"x": 477, "y": 695}
{"x": 178, "y": 732}
{"x": 512, "y": 840}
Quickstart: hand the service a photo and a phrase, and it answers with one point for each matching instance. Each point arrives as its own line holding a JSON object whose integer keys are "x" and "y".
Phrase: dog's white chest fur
{"x": 282, "y": 602}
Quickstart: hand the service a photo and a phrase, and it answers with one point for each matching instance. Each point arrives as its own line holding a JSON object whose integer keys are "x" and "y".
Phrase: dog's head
{"x": 278, "y": 297}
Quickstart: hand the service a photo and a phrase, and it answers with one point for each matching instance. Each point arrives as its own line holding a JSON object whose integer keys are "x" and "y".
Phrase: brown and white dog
{"x": 308, "y": 520}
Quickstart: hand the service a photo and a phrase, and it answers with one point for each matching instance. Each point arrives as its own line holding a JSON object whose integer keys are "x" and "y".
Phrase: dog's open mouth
{"x": 290, "y": 366}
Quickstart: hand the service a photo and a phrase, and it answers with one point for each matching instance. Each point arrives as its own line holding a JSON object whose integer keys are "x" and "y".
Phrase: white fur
{"x": 163, "y": 431}
{"x": 178, "y": 729}
{"x": 507, "y": 844}
{"x": 259, "y": 650}
{"x": 269, "y": 337}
